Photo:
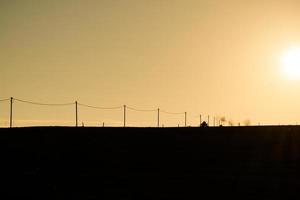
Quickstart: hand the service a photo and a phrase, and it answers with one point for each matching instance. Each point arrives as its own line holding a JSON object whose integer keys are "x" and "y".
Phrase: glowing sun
{"x": 290, "y": 61}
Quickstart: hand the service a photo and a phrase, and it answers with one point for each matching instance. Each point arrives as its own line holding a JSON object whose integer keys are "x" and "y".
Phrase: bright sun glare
{"x": 290, "y": 61}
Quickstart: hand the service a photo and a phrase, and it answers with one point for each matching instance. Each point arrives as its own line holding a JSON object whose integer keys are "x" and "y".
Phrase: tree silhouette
{"x": 223, "y": 120}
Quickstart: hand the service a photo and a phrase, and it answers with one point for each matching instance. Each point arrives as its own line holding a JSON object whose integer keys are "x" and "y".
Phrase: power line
{"x": 194, "y": 116}
{"x": 141, "y": 110}
{"x": 4, "y": 100}
{"x": 101, "y": 108}
{"x": 172, "y": 113}
{"x": 44, "y": 104}
{"x": 76, "y": 104}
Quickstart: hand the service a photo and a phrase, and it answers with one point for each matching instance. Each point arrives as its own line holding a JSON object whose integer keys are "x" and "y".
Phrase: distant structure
{"x": 204, "y": 124}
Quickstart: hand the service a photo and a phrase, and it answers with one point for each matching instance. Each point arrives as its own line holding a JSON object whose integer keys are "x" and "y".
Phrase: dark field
{"x": 150, "y": 163}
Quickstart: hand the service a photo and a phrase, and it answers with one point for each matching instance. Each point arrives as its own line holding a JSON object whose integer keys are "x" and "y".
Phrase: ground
{"x": 150, "y": 163}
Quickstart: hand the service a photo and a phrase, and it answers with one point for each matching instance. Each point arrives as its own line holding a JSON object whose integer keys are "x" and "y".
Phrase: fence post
{"x": 185, "y": 119}
{"x": 76, "y": 110}
{"x": 124, "y": 112}
{"x": 158, "y": 117}
{"x": 11, "y": 112}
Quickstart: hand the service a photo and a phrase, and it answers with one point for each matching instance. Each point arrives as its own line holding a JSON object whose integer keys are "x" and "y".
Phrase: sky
{"x": 208, "y": 57}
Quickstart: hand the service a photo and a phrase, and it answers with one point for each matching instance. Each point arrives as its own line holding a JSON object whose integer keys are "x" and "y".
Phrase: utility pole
{"x": 124, "y": 112}
{"x": 158, "y": 117}
{"x": 185, "y": 119}
{"x": 76, "y": 111}
{"x": 200, "y": 120}
{"x": 214, "y": 121}
{"x": 11, "y": 112}
{"x": 208, "y": 120}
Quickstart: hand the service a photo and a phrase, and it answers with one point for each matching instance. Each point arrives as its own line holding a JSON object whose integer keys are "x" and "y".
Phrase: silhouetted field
{"x": 150, "y": 163}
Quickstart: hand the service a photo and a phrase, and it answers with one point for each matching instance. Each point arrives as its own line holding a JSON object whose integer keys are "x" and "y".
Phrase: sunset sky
{"x": 217, "y": 58}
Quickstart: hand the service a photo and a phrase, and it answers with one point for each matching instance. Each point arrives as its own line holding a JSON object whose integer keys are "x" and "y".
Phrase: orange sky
{"x": 220, "y": 58}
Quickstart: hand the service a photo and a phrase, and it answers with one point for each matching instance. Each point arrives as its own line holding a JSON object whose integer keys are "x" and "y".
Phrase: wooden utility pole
{"x": 11, "y": 112}
{"x": 200, "y": 120}
{"x": 158, "y": 117}
{"x": 76, "y": 111}
{"x": 185, "y": 119}
{"x": 124, "y": 117}
{"x": 208, "y": 120}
